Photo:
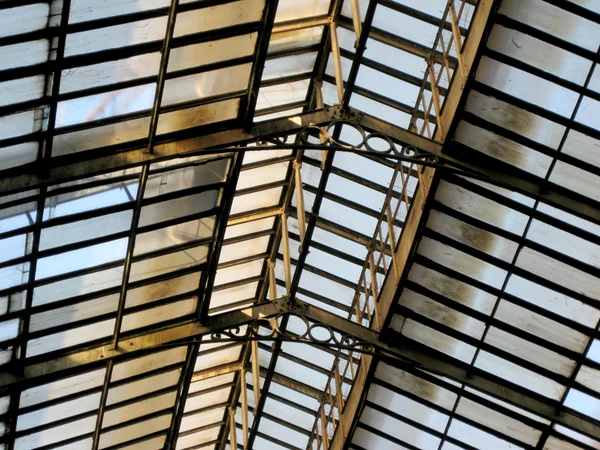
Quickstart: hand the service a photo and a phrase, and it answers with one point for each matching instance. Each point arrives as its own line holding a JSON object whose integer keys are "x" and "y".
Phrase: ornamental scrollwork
{"x": 374, "y": 143}
{"x": 298, "y": 328}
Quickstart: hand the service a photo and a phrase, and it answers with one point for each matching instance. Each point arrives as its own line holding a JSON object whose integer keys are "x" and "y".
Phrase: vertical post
{"x": 359, "y": 317}
{"x": 435, "y": 93}
{"x": 368, "y": 294}
{"x": 375, "y": 290}
{"x": 457, "y": 41}
{"x": 425, "y": 115}
{"x": 372, "y": 269}
{"x": 232, "y": 430}
{"x": 285, "y": 241}
{"x": 338, "y": 395}
{"x": 272, "y": 281}
{"x": 102, "y": 407}
{"x": 392, "y": 234}
{"x": 404, "y": 179}
{"x": 244, "y": 395}
{"x": 376, "y": 315}
{"x": 337, "y": 61}
{"x": 356, "y": 20}
{"x": 300, "y": 200}
{"x": 352, "y": 365}
{"x": 324, "y": 431}
{"x": 129, "y": 255}
{"x": 162, "y": 72}
{"x": 421, "y": 188}
{"x": 255, "y": 372}
{"x": 382, "y": 248}
{"x": 331, "y": 405}
{"x": 320, "y": 105}
{"x": 445, "y": 56}
{"x": 185, "y": 380}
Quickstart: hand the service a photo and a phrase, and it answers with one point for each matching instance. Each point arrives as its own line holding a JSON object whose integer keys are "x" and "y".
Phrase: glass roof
{"x": 184, "y": 265}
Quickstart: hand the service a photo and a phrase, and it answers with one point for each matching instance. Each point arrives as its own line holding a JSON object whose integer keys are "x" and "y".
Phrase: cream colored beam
{"x": 402, "y": 253}
{"x": 356, "y": 19}
{"x": 215, "y": 371}
{"x": 285, "y": 243}
{"x": 244, "y": 399}
{"x": 295, "y": 25}
{"x": 232, "y": 429}
{"x": 255, "y": 371}
{"x": 299, "y": 191}
{"x": 337, "y": 61}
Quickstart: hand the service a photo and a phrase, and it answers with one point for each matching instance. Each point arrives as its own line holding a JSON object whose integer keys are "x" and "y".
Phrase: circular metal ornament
{"x": 350, "y": 124}
{"x": 313, "y": 334}
{"x": 262, "y": 328}
{"x": 391, "y": 146}
{"x": 304, "y": 332}
{"x": 304, "y": 134}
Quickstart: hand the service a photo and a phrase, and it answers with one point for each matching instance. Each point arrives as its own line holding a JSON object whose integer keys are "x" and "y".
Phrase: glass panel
{"x": 116, "y": 36}
{"x": 527, "y": 87}
{"x": 197, "y": 116}
{"x": 172, "y": 209}
{"x": 25, "y": 54}
{"x": 81, "y": 259}
{"x": 101, "y": 136}
{"x": 132, "y": 432}
{"x": 515, "y": 119}
{"x": 21, "y": 90}
{"x": 85, "y": 229}
{"x": 109, "y": 72}
{"x": 206, "y": 84}
{"x": 82, "y": 10}
{"x": 555, "y": 21}
{"x": 24, "y": 19}
{"x": 19, "y": 124}
{"x": 196, "y": 55}
{"x": 17, "y": 155}
{"x": 102, "y": 106}
{"x": 539, "y": 54}
{"x": 219, "y": 16}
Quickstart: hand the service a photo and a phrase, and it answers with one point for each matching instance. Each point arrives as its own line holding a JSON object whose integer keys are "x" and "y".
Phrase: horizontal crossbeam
{"x": 506, "y": 178}
{"x": 66, "y": 169}
{"x": 36, "y": 371}
{"x": 399, "y": 352}
{"x": 405, "y": 351}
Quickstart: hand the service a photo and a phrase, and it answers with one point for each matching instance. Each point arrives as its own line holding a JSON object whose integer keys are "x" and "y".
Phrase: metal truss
{"x": 321, "y": 328}
{"x": 359, "y": 341}
{"x": 340, "y": 334}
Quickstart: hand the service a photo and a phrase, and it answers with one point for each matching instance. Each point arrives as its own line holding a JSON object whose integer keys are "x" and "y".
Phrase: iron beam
{"x": 390, "y": 291}
{"x": 63, "y": 170}
{"x": 416, "y": 355}
{"x": 35, "y": 372}
{"x": 506, "y": 178}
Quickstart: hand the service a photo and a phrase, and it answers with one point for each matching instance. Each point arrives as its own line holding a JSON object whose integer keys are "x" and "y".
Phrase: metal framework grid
{"x": 131, "y": 237}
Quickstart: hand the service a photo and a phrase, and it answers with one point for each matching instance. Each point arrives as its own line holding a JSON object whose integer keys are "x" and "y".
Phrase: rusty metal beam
{"x": 63, "y": 169}
{"x": 131, "y": 347}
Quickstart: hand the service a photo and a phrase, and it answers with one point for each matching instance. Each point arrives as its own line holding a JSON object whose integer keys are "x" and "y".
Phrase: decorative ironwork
{"x": 299, "y": 329}
{"x": 315, "y": 137}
